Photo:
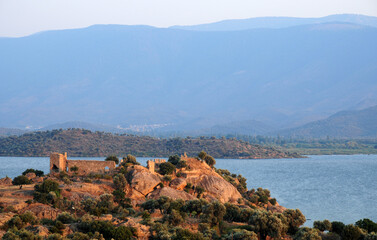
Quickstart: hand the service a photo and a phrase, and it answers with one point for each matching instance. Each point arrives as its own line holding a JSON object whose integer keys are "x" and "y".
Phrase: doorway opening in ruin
{"x": 55, "y": 168}
{"x": 106, "y": 169}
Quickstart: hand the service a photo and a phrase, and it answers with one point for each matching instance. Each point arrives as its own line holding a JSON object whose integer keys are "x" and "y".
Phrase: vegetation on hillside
{"x": 80, "y": 142}
{"x": 116, "y": 216}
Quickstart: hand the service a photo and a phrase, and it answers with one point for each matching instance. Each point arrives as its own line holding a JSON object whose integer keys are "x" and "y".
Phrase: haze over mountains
{"x": 184, "y": 80}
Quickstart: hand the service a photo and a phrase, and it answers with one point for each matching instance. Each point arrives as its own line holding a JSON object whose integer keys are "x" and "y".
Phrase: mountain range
{"x": 177, "y": 79}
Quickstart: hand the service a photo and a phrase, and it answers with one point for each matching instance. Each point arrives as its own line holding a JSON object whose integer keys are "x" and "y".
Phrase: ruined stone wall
{"x": 88, "y": 166}
{"x": 58, "y": 162}
{"x": 152, "y": 165}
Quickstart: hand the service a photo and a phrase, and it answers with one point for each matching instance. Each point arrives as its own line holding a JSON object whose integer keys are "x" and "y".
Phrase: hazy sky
{"x": 23, "y": 17}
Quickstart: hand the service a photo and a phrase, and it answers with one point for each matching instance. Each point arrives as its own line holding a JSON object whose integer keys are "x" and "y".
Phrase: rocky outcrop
{"x": 171, "y": 193}
{"x": 214, "y": 185}
{"x": 178, "y": 183}
{"x": 5, "y": 181}
{"x": 4, "y": 217}
{"x": 40, "y": 230}
{"x": 142, "y": 180}
{"x": 219, "y": 188}
{"x": 142, "y": 230}
{"x": 42, "y": 211}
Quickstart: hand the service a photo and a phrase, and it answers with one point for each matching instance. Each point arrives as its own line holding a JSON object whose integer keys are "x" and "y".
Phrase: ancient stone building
{"x": 59, "y": 162}
{"x": 152, "y": 165}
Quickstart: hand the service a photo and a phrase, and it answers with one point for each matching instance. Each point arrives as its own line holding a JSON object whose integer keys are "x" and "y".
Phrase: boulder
{"x": 171, "y": 193}
{"x": 142, "y": 180}
{"x": 178, "y": 183}
{"x": 219, "y": 188}
{"x": 4, "y": 217}
{"x": 40, "y": 230}
{"x": 30, "y": 175}
{"x": 5, "y": 181}
{"x": 42, "y": 211}
{"x": 142, "y": 230}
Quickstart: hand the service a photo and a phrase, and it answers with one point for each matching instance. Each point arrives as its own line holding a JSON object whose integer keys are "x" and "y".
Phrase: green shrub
{"x": 112, "y": 158}
{"x": 21, "y": 180}
{"x": 174, "y": 159}
{"x": 166, "y": 168}
{"x": 66, "y": 218}
{"x": 337, "y": 227}
{"x": 38, "y": 173}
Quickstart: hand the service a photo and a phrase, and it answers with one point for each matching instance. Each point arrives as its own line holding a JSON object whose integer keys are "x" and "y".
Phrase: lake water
{"x": 342, "y": 188}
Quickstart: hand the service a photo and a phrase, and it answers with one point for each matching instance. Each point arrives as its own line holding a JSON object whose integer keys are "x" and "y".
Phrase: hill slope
{"x": 345, "y": 124}
{"x": 279, "y": 22}
{"x": 78, "y": 142}
{"x": 127, "y": 75}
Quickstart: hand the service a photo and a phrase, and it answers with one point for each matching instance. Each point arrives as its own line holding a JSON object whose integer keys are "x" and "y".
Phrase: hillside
{"x": 279, "y": 22}
{"x": 185, "y": 80}
{"x": 80, "y": 142}
{"x": 344, "y": 124}
{"x": 4, "y": 132}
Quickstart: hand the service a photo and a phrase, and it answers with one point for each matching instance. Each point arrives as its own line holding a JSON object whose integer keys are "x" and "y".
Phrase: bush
{"x": 166, "y": 168}
{"x": 306, "y": 233}
{"x": 351, "y": 232}
{"x": 322, "y": 225}
{"x": 74, "y": 169}
{"x": 241, "y": 234}
{"x": 47, "y": 192}
{"x": 120, "y": 181}
{"x": 367, "y": 224}
{"x": 129, "y": 159}
{"x": 337, "y": 227}
{"x": 21, "y": 180}
{"x": 112, "y": 158}
{"x": 38, "y": 173}
{"x": 66, "y": 218}
{"x": 272, "y": 201}
{"x": 174, "y": 159}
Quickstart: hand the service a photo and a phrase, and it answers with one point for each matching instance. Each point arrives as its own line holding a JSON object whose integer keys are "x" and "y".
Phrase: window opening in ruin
{"x": 106, "y": 169}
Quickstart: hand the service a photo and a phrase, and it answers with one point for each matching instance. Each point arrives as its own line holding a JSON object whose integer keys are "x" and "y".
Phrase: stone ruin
{"x": 152, "y": 165}
{"x": 60, "y": 163}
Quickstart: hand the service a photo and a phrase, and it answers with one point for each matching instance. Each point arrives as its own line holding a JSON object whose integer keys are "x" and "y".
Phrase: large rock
{"x": 171, "y": 193}
{"x": 142, "y": 230}
{"x": 40, "y": 230}
{"x": 178, "y": 183}
{"x": 5, "y": 181}
{"x": 30, "y": 175}
{"x": 219, "y": 188}
{"x": 142, "y": 180}
{"x": 42, "y": 211}
{"x": 5, "y": 217}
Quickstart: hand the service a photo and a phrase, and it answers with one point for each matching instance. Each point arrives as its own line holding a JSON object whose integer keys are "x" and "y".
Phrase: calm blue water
{"x": 342, "y": 188}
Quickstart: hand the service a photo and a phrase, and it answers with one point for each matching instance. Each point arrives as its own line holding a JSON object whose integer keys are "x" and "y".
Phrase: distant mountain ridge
{"x": 279, "y": 22}
{"x": 180, "y": 80}
{"x": 344, "y": 124}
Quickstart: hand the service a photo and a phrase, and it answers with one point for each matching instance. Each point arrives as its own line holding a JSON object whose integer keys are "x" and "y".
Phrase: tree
{"x": 351, "y": 232}
{"x": 337, "y": 227}
{"x": 174, "y": 159}
{"x": 21, "y": 180}
{"x": 306, "y": 233}
{"x": 202, "y": 155}
{"x": 130, "y": 159}
{"x": 295, "y": 219}
{"x": 38, "y": 173}
{"x": 210, "y": 160}
{"x": 367, "y": 224}
{"x": 112, "y": 158}
{"x": 120, "y": 181}
{"x": 324, "y": 225}
{"x": 166, "y": 168}
{"x": 266, "y": 224}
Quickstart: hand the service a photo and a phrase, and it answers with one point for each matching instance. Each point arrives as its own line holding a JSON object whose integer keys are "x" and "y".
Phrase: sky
{"x": 25, "y": 17}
